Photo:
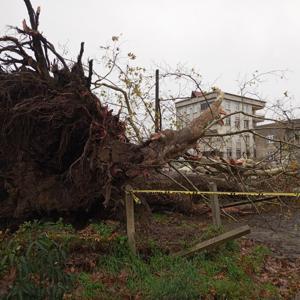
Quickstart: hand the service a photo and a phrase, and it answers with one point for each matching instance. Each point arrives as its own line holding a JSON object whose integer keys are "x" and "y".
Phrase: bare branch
{"x": 130, "y": 112}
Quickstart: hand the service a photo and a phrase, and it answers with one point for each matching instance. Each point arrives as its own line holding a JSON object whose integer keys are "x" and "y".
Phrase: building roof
{"x": 198, "y": 96}
{"x": 293, "y": 123}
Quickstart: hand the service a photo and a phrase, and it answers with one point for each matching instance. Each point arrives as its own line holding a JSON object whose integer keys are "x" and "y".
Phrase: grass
{"x": 33, "y": 263}
{"x": 253, "y": 261}
{"x": 160, "y": 217}
{"x": 104, "y": 230}
{"x": 223, "y": 273}
{"x": 40, "y": 253}
{"x": 90, "y": 288}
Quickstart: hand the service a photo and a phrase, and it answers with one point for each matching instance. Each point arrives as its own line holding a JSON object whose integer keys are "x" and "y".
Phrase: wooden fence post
{"x": 214, "y": 204}
{"x": 130, "y": 219}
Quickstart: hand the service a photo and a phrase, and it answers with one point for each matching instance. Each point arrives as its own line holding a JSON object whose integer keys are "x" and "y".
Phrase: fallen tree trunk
{"x": 61, "y": 150}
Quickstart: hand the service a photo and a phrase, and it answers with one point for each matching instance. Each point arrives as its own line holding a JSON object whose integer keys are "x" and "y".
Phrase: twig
{"x": 172, "y": 179}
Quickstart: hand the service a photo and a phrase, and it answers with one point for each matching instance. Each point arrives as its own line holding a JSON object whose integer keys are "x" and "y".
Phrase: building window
{"x": 237, "y": 122}
{"x": 238, "y": 153}
{"x": 297, "y": 136}
{"x": 228, "y": 121}
{"x": 237, "y": 106}
{"x": 271, "y": 156}
{"x": 247, "y": 140}
{"x": 270, "y": 139}
{"x": 246, "y": 124}
{"x": 227, "y": 105}
{"x": 229, "y": 152}
{"x": 205, "y": 105}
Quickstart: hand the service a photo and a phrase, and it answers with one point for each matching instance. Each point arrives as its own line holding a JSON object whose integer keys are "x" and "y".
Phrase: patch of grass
{"x": 104, "y": 230}
{"x": 39, "y": 252}
{"x": 188, "y": 225}
{"x": 153, "y": 247}
{"x": 230, "y": 265}
{"x": 270, "y": 291}
{"x": 168, "y": 277}
{"x": 229, "y": 289}
{"x": 160, "y": 217}
{"x": 91, "y": 289}
{"x": 118, "y": 256}
{"x": 171, "y": 278}
{"x": 35, "y": 263}
{"x": 180, "y": 285}
{"x": 184, "y": 244}
{"x": 253, "y": 262}
{"x": 211, "y": 231}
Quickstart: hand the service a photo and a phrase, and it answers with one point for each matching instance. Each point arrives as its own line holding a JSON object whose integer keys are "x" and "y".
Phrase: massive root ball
{"x": 61, "y": 150}
{"x": 52, "y": 139}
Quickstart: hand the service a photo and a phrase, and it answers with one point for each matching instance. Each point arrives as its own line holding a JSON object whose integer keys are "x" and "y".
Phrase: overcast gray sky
{"x": 223, "y": 39}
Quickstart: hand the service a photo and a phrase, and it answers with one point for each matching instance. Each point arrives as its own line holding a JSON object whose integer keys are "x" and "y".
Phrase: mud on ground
{"x": 277, "y": 226}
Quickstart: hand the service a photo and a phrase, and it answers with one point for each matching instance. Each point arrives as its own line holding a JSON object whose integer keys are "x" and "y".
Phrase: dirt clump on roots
{"x": 50, "y": 133}
{"x": 56, "y": 137}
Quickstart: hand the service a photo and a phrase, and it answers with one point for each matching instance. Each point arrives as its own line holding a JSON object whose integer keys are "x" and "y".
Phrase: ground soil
{"x": 276, "y": 226}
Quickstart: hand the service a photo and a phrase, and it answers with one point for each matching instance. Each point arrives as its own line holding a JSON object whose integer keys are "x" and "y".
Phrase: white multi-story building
{"x": 243, "y": 118}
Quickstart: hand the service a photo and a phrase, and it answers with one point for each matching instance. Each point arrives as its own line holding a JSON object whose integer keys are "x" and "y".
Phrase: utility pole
{"x": 157, "y": 106}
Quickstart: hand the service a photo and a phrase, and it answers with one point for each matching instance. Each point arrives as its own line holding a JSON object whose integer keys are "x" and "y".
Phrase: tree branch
{"x": 130, "y": 112}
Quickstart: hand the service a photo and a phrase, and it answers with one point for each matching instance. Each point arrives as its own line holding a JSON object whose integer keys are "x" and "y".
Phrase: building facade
{"x": 278, "y": 141}
{"x": 242, "y": 116}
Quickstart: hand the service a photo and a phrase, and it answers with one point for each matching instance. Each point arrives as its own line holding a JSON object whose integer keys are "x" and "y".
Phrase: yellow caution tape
{"x": 215, "y": 193}
{"x": 135, "y": 198}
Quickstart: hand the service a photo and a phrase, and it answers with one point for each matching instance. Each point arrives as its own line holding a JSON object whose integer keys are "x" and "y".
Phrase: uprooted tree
{"x": 61, "y": 150}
